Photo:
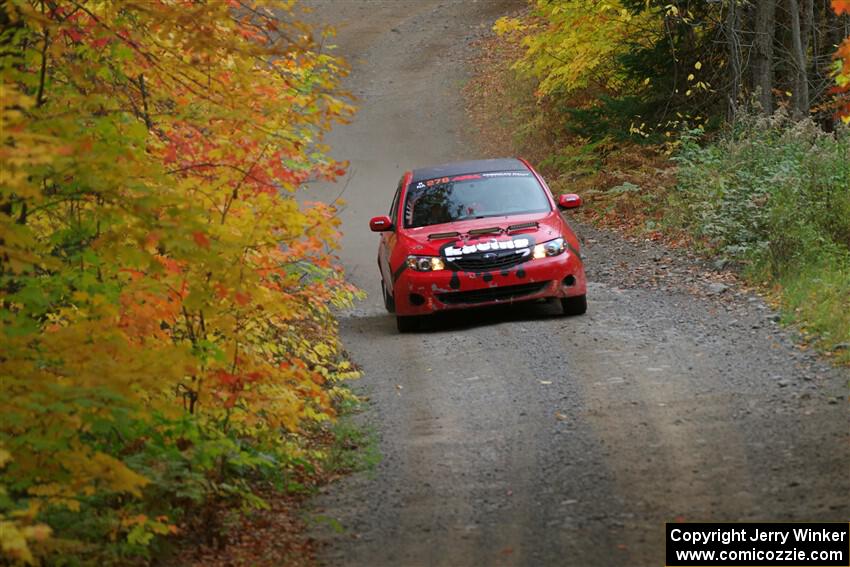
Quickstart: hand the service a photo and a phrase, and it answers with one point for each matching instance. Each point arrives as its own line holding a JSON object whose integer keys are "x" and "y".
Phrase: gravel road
{"x": 517, "y": 437}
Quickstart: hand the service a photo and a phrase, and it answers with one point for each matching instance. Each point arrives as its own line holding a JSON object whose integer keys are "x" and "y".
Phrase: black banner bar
{"x": 758, "y": 545}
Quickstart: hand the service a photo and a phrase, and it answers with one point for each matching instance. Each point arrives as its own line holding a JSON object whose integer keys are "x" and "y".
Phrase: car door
{"x": 389, "y": 239}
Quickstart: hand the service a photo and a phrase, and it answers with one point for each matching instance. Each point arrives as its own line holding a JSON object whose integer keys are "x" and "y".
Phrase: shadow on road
{"x": 462, "y": 319}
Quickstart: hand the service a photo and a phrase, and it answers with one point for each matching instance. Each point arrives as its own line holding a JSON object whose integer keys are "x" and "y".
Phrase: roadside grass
{"x": 772, "y": 196}
{"x": 818, "y": 299}
{"x": 354, "y": 449}
{"x": 766, "y": 196}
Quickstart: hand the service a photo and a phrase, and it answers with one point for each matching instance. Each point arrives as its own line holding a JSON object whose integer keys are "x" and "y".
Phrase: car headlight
{"x": 425, "y": 263}
{"x": 550, "y": 248}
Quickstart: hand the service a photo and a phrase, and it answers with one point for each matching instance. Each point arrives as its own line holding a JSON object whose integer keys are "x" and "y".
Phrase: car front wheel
{"x": 574, "y": 305}
{"x": 389, "y": 302}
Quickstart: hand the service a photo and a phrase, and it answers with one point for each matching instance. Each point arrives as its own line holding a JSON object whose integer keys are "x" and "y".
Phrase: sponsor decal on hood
{"x": 492, "y": 245}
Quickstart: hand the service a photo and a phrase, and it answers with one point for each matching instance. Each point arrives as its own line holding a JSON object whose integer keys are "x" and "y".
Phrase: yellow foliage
{"x": 574, "y": 43}
{"x": 506, "y": 25}
{"x": 155, "y": 266}
{"x": 17, "y": 531}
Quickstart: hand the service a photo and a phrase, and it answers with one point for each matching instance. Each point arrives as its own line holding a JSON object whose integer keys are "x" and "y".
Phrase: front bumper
{"x": 421, "y": 293}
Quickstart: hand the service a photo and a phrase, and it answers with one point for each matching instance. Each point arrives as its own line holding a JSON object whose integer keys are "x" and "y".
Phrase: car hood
{"x": 433, "y": 240}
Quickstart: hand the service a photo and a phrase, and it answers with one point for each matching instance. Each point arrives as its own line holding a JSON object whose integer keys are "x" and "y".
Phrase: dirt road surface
{"x": 517, "y": 437}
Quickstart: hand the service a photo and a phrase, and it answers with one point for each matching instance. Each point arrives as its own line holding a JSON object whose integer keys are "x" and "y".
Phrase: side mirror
{"x": 380, "y": 224}
{"x": 569, "y": 201}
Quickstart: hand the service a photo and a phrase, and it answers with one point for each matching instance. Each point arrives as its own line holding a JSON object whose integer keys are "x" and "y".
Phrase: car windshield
{"x": 479, "y": 195}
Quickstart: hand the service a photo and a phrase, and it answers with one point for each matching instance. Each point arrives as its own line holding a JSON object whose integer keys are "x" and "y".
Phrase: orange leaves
{"x": 144, "y": 313}
{"x": 841, "y": 6}
{"x": 843, "y": 53}
{"x": 226, "y": 379}
{"x": 229, "y": 388}
{"x": 221, "y": 291}
{"x": 171, "y": 265}
{"x": 201, "y": 239}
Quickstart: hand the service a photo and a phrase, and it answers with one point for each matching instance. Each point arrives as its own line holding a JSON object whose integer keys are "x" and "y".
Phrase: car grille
{"x": 491, "y": 293}
{"x": 490, "y": 261}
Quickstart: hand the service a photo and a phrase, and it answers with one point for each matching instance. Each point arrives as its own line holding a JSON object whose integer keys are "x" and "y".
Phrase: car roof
{"x": 464, "y": 167}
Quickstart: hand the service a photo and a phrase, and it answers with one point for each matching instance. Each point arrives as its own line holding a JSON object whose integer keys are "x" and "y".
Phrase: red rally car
{"x": 477, "y": 233}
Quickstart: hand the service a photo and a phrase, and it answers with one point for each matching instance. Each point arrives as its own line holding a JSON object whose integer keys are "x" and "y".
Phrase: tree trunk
{"x": 807, "y": 41}
{"x": 734, "y": 43}
{"x": 763, "y": 54}
{"x": 836, "y": 30}
{"x": 801, "y": 79}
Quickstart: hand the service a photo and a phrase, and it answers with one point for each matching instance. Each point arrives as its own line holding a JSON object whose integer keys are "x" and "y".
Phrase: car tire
{"x": 389, "y": 301}
{"x": 574, "y": 305}
{"x": 406, "y": 324}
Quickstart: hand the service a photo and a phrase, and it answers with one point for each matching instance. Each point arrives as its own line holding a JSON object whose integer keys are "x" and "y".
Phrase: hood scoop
{"x": 481, "y": 231}
{"x": 523, "y": 226}
{"x": 476, "y": 232}
{"x": 443, "y": 235}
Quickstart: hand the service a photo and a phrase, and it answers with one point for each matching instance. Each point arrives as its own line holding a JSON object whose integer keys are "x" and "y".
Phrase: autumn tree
{"x": 164, "y": 298}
